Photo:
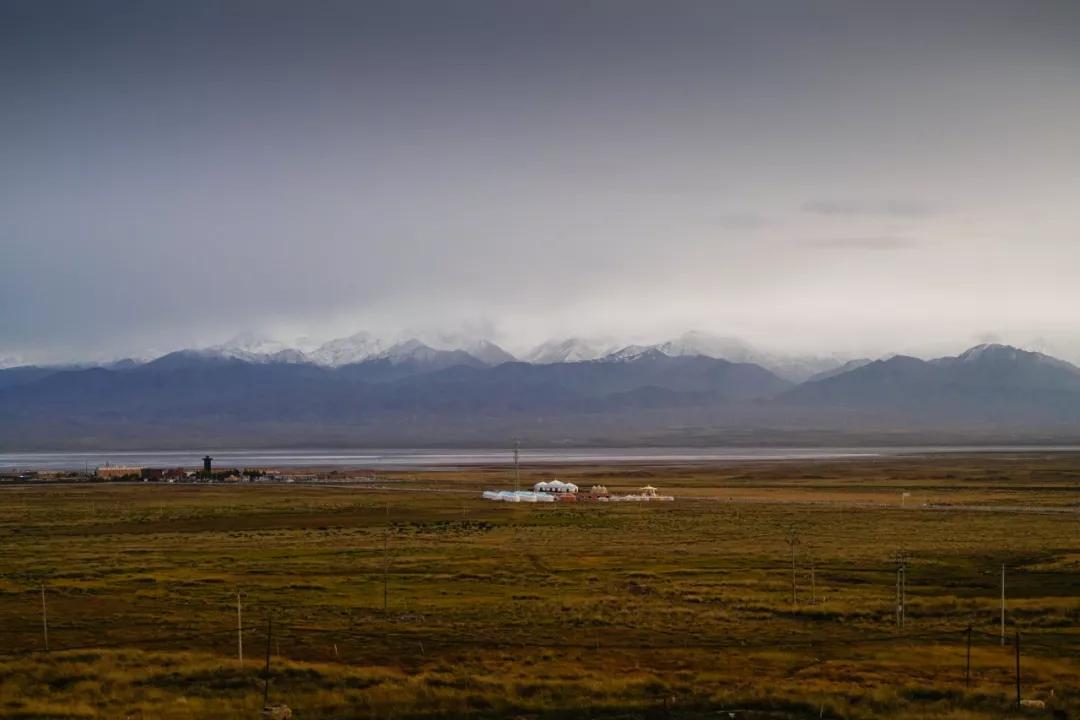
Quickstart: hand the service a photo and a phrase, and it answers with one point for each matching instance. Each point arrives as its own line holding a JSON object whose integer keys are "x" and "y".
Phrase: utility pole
{"x": 1017, "y": 668}
{"x": 898, "y": 597}
{"x": 266, "y": 671}
{"x": 239, "y": 630}
{"x": 44, "y": 619}
{"x": 901, "y": 588}
{"x": 517, "y": 467}
{"x": 1002, "y": 604}
{"x": 813, "y": 584}
{"x": 793, "y": 541}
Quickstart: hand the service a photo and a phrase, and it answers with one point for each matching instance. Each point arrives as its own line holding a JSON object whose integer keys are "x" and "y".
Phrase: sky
{"x": 814, "y": 177}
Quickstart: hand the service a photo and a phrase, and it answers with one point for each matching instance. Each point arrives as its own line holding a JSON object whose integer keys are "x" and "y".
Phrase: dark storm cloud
{"x": 175, "y": 173}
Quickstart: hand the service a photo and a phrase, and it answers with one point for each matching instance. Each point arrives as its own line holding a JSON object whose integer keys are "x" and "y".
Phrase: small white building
{"x": 519, "y": 496}
{"x": 556, "y": 487}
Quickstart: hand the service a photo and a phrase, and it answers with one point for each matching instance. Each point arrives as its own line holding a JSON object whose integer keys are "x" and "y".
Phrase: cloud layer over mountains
{"x": 364, "y": 346}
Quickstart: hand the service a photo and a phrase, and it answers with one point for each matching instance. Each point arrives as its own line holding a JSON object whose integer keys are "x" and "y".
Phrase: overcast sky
{"x": 854, "y": 177}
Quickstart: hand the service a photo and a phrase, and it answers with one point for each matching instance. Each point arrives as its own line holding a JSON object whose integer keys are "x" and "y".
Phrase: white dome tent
{"x": 554, "y": 486}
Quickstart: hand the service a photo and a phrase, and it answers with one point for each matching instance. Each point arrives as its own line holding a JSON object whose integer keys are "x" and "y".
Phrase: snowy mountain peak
{"x": 488, "y": 352}
{"x": 987, "y": 350}
{"x": 633, "y": 352}
{"x": 253, "y": 347}
{"x": 696, "y": 342}
{"x": 344, "y": 351}
{"x": 796, "y": 368}
{"x": 362, "y": 346}
{"x": 291, "y": 356}
{"x": 251, "y": 342}
{"x": 994, "y": 353}
{"x": 569, "y": 350}
{"x": 411, "y": 350}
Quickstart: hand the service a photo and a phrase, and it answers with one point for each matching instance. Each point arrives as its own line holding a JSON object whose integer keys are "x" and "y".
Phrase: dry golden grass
{"x": 613, "y": 610}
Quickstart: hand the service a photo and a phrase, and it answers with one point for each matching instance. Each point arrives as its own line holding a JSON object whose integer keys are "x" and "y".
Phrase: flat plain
{"x": 408, "y": 596}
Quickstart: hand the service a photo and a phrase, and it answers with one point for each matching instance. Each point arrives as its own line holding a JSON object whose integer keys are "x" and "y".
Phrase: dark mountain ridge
{"x": 987, "y": 383}
{"x": 451, "y": 397}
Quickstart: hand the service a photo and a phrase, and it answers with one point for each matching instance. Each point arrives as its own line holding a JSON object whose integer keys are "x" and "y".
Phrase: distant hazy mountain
{"x": 23, "y": 374}
{"x": 196, "y": 394}
{"x": 407, "y": 359}
{"x": 569, "y": 350}
{"x": 355, "y": 348}
{"x": 413, "y": 393}
{"x": 9, "y": 377}
{"x": 253, "y": 347}
{"x": 12, "y": 361}
{"x": 1005, "y": 366}
{"x": 488, "y": 352}
{"x": 698, "y": 343}
{"x": 637, "y": 352}
{"x": 989, "y": 383}
{"x": 363, "y": 346}
{"x": 651, "y": 369}
{"x": 846, "y": 367}
{"x": 796, "y": 368}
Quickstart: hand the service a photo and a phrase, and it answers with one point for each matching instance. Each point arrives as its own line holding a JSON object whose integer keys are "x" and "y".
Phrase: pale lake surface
{"x": 434, "y": 458}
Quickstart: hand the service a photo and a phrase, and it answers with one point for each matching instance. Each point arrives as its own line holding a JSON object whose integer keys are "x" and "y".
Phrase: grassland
{"x": 604, "y": 610}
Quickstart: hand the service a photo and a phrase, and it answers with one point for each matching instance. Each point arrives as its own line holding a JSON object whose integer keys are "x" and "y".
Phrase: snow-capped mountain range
{"x": 364, "y": 347}
{"x": 357, "y": 348}
{"x": 446, "y": 350}
{"x": 250, "y": 392}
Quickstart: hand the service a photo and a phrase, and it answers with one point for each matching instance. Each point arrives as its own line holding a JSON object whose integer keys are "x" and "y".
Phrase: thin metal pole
{"x": 898, "y": 596}
{"x": 239, "y": 630}
{"x": 903, "y": 591}
{"x": 44, "y": 619}
{"x": 794, "y": 597}
{"x": 1002, "y": 604}
{"x": 517, "y": 467}
{"x": 899, "y": 599}
{"x": 793, "y": 540}
{"x": 266, "y": 672}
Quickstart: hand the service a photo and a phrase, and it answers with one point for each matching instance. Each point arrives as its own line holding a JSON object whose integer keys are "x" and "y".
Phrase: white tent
{"x": 555, "y": 486}
{"x": 519, "y": 496}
